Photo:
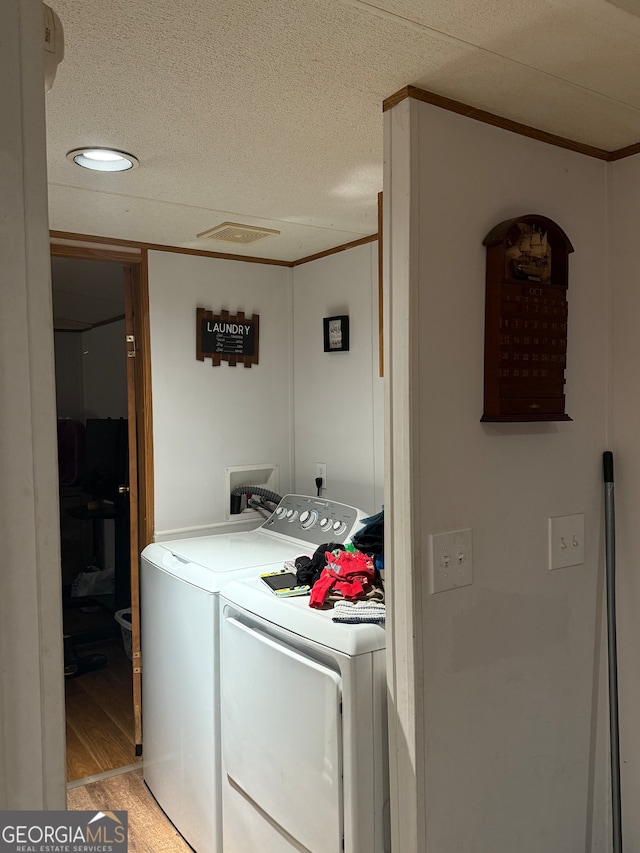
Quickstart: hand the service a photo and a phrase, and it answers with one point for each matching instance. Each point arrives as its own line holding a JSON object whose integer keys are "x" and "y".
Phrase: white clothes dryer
{"x": 180, "y": 584}
{"x": 304, "y": 727}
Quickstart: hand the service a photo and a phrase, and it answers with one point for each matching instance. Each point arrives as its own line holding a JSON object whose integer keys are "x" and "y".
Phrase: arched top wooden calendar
{"x": 526, "y": 320}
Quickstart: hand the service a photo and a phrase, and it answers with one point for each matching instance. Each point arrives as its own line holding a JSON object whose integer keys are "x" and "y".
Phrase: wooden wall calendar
{"x": 526, "y": 320}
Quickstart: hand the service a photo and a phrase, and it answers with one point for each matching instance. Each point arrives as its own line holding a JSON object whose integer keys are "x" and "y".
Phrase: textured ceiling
{"x": 268, "y": 112}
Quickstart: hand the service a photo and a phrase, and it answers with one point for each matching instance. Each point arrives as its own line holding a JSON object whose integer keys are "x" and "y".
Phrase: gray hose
{"x": 239, "y": 491}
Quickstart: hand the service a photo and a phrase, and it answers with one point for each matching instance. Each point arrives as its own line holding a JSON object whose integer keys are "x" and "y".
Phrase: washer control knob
{"x": 292, "y": 514}
{"x": 325, "y": 524}
{"x": 308, "y": 518}
{"x": 281, "y": 512}
{"x": 339, "y": 526}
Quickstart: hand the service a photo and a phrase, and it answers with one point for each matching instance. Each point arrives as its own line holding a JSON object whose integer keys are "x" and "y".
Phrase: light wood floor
{"x": 100, "y": 731}
{"x": 149, "y": 829}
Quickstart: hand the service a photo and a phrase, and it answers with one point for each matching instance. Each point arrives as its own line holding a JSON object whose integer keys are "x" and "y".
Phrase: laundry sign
{"x": 227, "y": 337}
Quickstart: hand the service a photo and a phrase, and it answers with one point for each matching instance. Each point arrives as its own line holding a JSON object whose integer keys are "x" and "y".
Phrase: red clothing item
{"x": 349, "y": 573}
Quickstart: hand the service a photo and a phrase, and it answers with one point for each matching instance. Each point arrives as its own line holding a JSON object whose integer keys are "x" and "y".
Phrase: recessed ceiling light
{"x": 103, "y": 159}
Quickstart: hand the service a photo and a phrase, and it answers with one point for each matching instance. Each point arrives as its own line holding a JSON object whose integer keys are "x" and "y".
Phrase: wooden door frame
{"x": 138, "y": 394}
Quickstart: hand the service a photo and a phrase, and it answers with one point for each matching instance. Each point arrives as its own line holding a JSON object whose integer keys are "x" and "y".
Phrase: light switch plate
{"x": 566, "y": 541}
{"x": 451, "y": 560}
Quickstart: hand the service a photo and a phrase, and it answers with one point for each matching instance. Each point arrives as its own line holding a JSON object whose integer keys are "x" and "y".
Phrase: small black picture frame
{"x": 336, "y": 333}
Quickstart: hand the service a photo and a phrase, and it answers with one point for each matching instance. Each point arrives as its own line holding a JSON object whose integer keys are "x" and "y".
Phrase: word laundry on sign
{"x": 228, "y": 328}
{"x": 229, "y": 337}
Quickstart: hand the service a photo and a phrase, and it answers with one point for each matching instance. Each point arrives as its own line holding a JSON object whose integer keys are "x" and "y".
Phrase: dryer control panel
{"x": 314, "y": 520}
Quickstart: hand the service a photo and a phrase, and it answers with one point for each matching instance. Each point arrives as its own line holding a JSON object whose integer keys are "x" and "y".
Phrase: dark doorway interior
{"x": 91, "y": 393}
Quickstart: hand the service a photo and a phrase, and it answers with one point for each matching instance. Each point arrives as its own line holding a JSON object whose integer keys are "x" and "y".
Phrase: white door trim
{"x": 32, "y": 735}
{"x": 402, "y": 508}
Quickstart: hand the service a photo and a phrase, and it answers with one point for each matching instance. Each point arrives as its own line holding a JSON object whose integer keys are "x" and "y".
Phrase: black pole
{"x": 614, "y": 729}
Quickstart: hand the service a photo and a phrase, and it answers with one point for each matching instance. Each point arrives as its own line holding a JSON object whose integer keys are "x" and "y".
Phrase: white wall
{"x": 625, "y": 226}
{"x": 104, "y": 371}
{"x": 328, "y": 406}
{"x": 505, "y": 711}
{"x": 206, "y": 418}
{"x": 339, "y": 416}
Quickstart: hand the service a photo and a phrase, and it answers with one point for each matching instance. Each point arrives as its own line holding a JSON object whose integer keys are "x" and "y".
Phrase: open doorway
{"x": 93, "y": 301}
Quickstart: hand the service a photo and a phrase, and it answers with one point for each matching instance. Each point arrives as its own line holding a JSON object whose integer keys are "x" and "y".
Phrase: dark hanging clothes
{"x": 370, "y": 538}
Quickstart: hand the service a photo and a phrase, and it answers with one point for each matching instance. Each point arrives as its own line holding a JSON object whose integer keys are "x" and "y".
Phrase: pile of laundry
{"x": 348, "y": 578}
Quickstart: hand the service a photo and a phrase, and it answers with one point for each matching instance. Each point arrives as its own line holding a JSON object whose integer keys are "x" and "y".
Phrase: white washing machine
{"x": 304, "y": 727}
{"x": 180, "y": 584}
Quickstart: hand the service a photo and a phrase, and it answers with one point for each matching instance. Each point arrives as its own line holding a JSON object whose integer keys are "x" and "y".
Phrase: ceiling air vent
{"x": 233, "y": 232}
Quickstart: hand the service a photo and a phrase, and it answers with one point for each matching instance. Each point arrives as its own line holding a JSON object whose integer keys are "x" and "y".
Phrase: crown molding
{"x": 70, "y": 244}
{"x": 507, "y": 124}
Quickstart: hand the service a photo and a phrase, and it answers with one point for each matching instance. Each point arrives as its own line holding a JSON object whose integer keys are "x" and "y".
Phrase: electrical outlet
{"x": 451, "y": 560}
{"x": 566, "y": 541}
{"x": 321, "y": 471}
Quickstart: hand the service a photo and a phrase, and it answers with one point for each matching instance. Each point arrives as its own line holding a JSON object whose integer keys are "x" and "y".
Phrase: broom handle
{"x": 614, "y": 730}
